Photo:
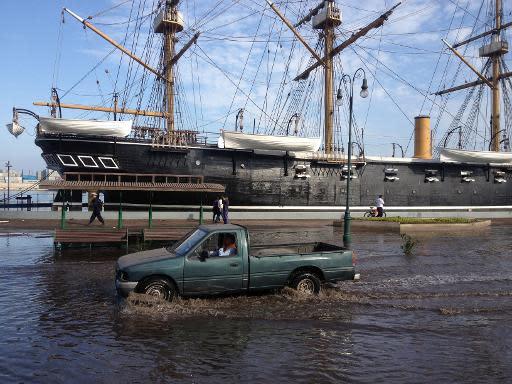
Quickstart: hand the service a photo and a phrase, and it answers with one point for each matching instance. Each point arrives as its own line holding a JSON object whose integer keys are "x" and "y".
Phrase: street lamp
{"x": 295, "y": 116}
{"x": 347, "y": 238}
{"x": 9, "y": 166}
{"x": 493, "y": 137}
{"x": 459, "y": 144}
{"x": 399, "y": 146}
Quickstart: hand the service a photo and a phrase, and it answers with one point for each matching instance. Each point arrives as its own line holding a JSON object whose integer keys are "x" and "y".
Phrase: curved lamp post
{"x": 296, "y": 117}
{"x": 448, "y": 136}
{"x": 494, "y": 136}
{"x": 506, "y": 143}
{"x": 347, "y": 238}
{"x": 361, "y": 150}
{"x": 399, "y": 146}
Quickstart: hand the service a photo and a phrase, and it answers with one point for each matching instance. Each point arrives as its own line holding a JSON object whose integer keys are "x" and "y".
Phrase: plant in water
{"x": 408, "y": 244}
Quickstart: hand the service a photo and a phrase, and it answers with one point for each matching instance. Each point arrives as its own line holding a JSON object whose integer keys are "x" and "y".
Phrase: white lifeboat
{"x": 239, "y": 140}
{"x": 85, "y": 127}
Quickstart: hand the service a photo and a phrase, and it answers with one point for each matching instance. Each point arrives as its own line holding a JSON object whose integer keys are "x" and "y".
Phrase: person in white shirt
{"x": 228, "y": 247}
{"x": 380, "y": 206}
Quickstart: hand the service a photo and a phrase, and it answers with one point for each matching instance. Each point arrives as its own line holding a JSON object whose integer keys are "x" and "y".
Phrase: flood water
{"x": 443, "y": 315}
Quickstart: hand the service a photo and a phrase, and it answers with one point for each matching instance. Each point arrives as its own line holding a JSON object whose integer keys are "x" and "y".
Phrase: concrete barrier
{"x": 445, "y": 228}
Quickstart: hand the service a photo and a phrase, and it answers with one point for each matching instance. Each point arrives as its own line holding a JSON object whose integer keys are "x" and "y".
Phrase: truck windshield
{"x": 182, "y": 247}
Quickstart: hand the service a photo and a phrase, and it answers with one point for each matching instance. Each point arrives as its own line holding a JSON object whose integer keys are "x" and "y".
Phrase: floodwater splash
{"x": 285, "y": 304}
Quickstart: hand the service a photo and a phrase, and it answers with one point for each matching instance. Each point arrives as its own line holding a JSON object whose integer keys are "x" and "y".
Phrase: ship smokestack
{"x": 422, "y": 138}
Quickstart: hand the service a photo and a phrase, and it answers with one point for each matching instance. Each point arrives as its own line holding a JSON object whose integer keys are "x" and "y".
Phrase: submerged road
{"x": 443, "y": 314}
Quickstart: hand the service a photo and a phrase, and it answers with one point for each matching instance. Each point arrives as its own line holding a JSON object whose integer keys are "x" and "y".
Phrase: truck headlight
{"x": 122, "y": 275}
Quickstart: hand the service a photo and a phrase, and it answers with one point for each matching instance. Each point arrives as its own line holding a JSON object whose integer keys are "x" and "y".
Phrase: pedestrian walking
{"x": 97, "y": 206}
{"x": 216, "y": 210}
{"x": 225, "y": 210}
{"x": 379, "y": 203}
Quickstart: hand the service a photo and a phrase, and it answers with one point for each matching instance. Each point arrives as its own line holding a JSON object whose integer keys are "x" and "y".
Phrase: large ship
{"x": 296, "y": 157}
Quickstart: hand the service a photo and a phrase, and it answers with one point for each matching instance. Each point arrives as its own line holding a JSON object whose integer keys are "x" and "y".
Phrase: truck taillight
{"x": 354, "y": 258}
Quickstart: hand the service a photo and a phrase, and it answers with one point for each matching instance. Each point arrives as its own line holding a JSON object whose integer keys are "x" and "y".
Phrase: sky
{"x": 404, "y": 60}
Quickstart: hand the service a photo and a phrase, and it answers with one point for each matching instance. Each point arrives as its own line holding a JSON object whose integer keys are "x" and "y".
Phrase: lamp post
{"x": 9, "y": 166}
{"x": 296, "y": 117}
{"x": 399, "y": 146}
{"x": 347, "y": 238}
{"x": 493, "y": 137}
{"x": 459, "y": 144}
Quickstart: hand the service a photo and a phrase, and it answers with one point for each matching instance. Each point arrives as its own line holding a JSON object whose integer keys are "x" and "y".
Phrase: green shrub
{"x": 408, "y": 244}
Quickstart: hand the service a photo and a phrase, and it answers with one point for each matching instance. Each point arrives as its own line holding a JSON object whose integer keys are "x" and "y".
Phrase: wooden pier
{"x": 107, "y": 236}
{"x": 121, "y": 182}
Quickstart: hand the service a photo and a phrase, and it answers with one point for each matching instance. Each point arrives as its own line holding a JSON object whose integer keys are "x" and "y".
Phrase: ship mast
{"x": 331, "y": 19}
{"x": 326, "y": 17}
{"x": 496, "y": 72}
{"x": 495, "y": 51}
{"x": 169, "y": 22}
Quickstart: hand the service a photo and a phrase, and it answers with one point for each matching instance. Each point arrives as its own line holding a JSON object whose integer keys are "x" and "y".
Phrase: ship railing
{"x": 133, "y": 178}
{"x": 183, "y": 139}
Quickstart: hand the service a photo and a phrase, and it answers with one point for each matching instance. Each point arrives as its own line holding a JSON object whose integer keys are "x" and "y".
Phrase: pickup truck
{"x": 218, "y": 259}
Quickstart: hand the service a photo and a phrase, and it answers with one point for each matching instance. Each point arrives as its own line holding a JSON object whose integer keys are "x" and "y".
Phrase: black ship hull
{"x": 286, "y": 179}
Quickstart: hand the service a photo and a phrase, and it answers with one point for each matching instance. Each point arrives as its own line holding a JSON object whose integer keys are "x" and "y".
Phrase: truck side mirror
{"x": 203, "y": 256}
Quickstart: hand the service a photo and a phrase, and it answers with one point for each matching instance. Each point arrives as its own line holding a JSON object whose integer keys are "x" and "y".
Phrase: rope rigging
{"x": 244, "y": 42}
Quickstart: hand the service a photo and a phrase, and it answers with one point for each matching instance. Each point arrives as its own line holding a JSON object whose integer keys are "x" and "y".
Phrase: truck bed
{"x": 293, "y": 249}
{"x": 272, "y": 266}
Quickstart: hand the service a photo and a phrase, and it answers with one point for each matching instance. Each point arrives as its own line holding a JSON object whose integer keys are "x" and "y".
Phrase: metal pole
{"x": 63, "y": 212}
{"x": 201, "y": 211}
{"x": 151, "y": 209}
{"x": 347, "y": 237}
{"x": 120, "y": 212}
{"x": 9, "y": 166}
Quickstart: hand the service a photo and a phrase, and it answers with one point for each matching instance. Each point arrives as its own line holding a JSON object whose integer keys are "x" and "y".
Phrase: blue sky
{"x": 405, "y": 54}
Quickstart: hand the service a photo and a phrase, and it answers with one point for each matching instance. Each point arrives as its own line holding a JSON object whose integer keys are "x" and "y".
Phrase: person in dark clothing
{"x": 216, "y": 211}
{"x": 225, "y": 210}
{"x": 97, "y": 206}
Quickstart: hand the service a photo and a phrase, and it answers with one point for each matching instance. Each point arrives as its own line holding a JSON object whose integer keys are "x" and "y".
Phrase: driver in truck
{"x": 228, "y": 247}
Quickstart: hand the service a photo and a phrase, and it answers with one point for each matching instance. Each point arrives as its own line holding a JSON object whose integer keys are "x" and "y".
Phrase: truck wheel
{"x": 160, "y": 287}
{"x": 306, "y": 282}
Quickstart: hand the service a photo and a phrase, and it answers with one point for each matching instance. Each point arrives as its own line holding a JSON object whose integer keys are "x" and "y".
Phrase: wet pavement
{"x": 443, "y": 314}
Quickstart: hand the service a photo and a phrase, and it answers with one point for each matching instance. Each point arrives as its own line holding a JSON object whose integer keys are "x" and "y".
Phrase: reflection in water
{"x": 442, "y": 314}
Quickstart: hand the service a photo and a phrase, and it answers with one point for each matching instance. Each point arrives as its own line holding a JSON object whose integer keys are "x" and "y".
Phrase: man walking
{"x": 97, "y": 206}
{"x": 225, "y": 210}
{"x": 216, "y": 210}
{"x": 379, "y": 203}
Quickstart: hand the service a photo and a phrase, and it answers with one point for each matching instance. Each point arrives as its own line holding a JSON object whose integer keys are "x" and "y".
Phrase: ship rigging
{"x": 277, "y": 85}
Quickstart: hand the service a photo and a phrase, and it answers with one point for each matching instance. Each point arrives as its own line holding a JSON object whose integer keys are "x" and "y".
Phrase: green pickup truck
{"x": 217, "y": 259}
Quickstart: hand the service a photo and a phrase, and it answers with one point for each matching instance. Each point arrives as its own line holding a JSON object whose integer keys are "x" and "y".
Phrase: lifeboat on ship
{"x": 54, "y": 125}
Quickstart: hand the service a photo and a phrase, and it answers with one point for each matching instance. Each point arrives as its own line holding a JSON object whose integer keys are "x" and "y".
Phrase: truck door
{"x": 214, "y": 266}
